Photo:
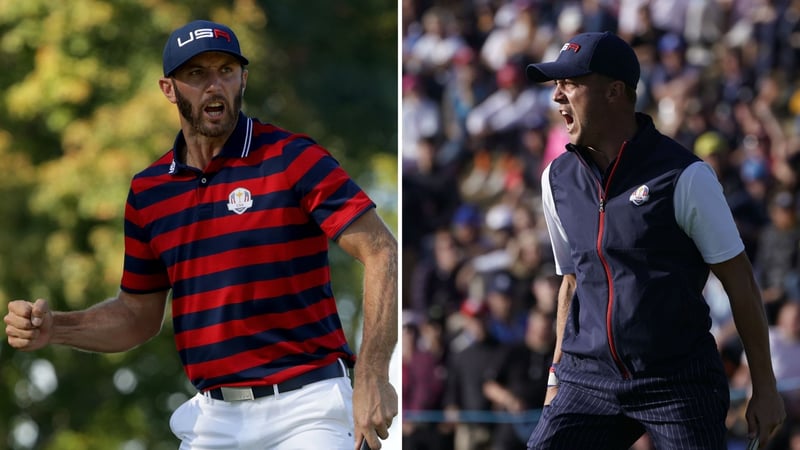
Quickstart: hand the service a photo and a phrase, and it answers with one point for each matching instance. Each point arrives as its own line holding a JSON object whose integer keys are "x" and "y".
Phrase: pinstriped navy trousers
{"x": 682, "y": 411}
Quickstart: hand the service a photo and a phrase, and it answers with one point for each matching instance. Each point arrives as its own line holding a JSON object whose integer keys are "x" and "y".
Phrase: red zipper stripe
{"x": 610, "y": 306}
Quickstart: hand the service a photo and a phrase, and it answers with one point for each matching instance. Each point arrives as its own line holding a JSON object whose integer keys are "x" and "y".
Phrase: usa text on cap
{"x": 197, "y": 37}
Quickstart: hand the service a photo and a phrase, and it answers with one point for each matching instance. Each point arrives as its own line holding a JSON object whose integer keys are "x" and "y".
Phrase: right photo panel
{"x": 600, "y": 224}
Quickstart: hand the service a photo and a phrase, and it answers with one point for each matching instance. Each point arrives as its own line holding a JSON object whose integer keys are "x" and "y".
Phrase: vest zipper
{"x": 607, "y": 269}
{"x": 610, "y": 305}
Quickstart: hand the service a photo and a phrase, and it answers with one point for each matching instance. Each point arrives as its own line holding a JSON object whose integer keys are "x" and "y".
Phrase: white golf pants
{"x": 318, "y": 415}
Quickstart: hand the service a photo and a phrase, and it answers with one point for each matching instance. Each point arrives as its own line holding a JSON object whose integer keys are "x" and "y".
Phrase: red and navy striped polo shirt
{"x": 244, "y": 247}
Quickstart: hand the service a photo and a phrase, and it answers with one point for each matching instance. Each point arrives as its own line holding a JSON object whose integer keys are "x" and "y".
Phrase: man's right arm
{"x": 115, "y": 325}
{"x": 565, "y": 293}
{"x": 561, "y": 253}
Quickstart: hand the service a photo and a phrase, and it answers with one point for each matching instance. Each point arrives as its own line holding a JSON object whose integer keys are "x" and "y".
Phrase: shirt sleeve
{"x": 143, "y": 272}
{"x": 558, "y": 237}
{"x": 326, "y": 191}
{"x": 703, "y": 214}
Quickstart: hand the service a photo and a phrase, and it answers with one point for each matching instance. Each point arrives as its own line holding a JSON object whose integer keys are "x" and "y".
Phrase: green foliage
{"x": 81, "y": 112}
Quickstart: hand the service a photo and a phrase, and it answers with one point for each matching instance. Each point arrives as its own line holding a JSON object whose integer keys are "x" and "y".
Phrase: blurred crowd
{"x": 480, "y": 287}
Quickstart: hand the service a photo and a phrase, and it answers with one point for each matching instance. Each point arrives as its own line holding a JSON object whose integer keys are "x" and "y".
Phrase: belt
{"x": 236, "y": 394}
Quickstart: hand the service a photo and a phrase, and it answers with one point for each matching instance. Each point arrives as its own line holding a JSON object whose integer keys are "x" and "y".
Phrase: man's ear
{"x": 168, "y": 89}
{"x": 616, "y": 90}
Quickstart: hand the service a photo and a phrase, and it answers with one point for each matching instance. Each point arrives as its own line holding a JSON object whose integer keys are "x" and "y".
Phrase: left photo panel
{"x": 199, "y": 242}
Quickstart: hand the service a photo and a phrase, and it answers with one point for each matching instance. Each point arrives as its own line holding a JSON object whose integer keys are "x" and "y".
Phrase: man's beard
{"x": 195, "y": 118}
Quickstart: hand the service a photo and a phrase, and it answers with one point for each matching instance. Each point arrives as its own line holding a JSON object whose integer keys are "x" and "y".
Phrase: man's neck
{"x": 600, "y": 158}
{"x": 611, "y": 144}
{"x": 200, "y": 150}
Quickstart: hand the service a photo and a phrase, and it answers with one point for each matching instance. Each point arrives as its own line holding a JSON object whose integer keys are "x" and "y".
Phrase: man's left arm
{"x": 765, "y": 412}
{"x": 374, "y": 398}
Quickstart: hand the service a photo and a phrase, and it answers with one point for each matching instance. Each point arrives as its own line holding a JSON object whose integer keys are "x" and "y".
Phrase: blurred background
{"x": 81, "y": 112}
{"x": 479, "y": 285}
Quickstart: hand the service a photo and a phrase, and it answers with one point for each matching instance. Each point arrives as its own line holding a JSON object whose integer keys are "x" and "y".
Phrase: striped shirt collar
{"x": 237, "y": 145}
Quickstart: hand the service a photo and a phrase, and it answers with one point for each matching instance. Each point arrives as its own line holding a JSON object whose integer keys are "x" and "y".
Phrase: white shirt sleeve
{"x": 558, "y": 237}
{"x": 703, "y": 214}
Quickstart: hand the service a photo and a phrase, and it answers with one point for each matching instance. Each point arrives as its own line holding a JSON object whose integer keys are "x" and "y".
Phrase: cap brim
{"x": 552, "y": 71}
{"x": 175, "y": 67}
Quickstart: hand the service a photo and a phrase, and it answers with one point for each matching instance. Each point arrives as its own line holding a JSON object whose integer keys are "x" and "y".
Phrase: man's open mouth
{"x": 215, "y": 109}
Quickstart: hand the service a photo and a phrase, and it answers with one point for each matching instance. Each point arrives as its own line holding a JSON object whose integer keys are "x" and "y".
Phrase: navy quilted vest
{"x": 638, "y": 308}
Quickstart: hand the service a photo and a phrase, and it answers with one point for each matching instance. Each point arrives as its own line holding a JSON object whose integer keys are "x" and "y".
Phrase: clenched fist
{"x": 28, "y": 325}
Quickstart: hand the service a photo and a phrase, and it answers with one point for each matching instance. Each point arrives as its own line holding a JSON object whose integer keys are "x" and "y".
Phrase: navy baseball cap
{"x": 197, "y": 37}
{"x": 604, "y": 53}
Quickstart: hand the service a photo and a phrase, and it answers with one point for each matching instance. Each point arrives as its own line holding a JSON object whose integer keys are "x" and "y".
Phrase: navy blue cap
{"x": 604, "y": 53}
{"x": 197, "y": 37}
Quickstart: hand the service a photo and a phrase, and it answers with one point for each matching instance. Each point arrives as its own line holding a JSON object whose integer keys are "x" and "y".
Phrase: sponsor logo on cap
{"x": 570, "y": 46}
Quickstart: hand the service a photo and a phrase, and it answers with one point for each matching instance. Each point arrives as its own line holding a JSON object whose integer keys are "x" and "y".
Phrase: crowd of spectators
{"x": 479, "y": 284}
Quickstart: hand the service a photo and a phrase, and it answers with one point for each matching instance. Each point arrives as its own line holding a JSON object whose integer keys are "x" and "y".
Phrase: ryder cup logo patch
{"x": 640, "y": 195}
{"x": 239, "y": 200}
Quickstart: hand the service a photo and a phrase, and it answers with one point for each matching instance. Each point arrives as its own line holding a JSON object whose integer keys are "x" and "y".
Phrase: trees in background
{"x": 81, "y": 112}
